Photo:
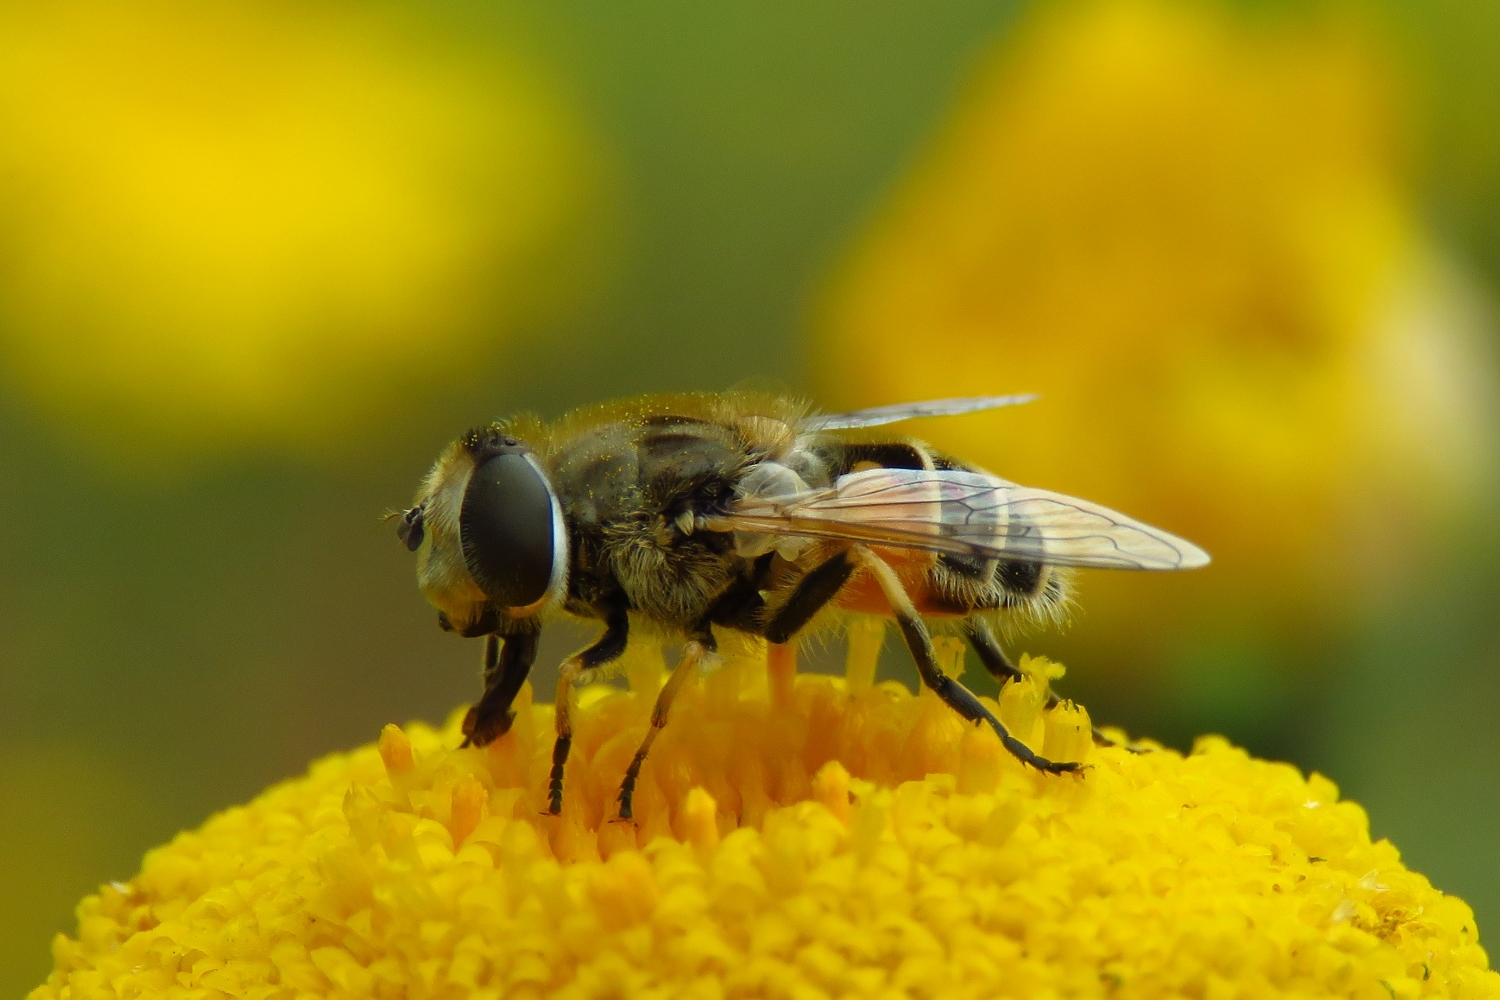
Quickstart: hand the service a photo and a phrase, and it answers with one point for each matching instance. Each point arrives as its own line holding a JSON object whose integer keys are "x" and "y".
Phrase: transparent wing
{"x": 877, "y": 415}
{"x": 964, "y": 513}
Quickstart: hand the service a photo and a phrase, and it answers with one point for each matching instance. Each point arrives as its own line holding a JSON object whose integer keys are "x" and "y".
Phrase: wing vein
{"x": 962, "y": 512}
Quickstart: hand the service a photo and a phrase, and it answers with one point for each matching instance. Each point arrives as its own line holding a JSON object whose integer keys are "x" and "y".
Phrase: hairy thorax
{"x": 633, "y": 493}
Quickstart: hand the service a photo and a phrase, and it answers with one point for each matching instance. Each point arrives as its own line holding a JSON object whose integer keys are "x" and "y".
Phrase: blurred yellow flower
{"x": 1184, "y": 225}
{"x": 249, "y": 222}
{"x": 813, "y": 837}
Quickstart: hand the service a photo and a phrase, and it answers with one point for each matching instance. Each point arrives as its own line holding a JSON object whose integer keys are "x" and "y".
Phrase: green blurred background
{"x": 259, "y": 263}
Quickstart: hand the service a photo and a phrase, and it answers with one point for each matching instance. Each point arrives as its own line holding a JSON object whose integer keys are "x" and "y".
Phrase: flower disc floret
{"x": 797, "y": 837}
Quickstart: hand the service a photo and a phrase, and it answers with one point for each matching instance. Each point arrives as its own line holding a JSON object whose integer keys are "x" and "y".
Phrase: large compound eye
{"x": 505, "y": 527}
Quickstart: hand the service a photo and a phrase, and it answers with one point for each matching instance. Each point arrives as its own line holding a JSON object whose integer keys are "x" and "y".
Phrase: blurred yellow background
{"x": 259, "y": 262}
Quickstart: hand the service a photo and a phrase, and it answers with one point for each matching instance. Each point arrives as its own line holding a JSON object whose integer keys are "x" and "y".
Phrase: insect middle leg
{"x": 577, "y": 670}
{"x": 693, "y": 654}
{"x": 813, "y": 592}
{"x": 504, "y": 673}
{"x": 987, "y": 648}
{"x": 954, "y": 694}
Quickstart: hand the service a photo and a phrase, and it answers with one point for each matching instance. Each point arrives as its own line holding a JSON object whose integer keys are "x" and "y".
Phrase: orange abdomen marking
{"x": 862, "y": 595}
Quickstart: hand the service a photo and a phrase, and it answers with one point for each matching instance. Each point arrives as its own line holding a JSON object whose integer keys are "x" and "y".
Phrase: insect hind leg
{"x": 988, "y": 649}
{"x": 990, "y": 653}
{"x": 953, "y": 694}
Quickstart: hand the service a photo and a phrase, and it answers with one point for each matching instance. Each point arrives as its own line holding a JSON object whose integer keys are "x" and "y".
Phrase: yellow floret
{"x": 800, "y": 838}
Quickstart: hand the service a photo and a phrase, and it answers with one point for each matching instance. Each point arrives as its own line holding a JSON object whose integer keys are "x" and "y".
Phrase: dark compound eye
{"x": 505, "y": 527}
{"x": 411, "y": 529}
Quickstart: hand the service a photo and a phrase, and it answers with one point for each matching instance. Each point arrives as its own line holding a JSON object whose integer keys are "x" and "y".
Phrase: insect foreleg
{"x": 953, "y": 694}
{"x": 693, "y": 654}
{"x": 504, "y": 673}
{"x": 579, "y": 669}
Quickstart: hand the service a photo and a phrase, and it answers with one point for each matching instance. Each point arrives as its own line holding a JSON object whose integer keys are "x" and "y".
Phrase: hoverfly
{"x": 744, "y": 512}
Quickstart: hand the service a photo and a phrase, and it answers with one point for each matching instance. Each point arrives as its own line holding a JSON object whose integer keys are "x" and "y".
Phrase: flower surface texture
{"x": 799, "y": 837}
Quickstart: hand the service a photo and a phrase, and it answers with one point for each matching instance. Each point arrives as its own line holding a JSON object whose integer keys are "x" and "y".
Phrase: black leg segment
{"x": 740, "y": 606}
{"x": 693, "y": 654}
{"x": 953, "y": 694}
{"x": 505, "y": 670}
{"x": 987, "y": 647}
{"x": 813, "y": 593}
{"x": 577, "y": 669}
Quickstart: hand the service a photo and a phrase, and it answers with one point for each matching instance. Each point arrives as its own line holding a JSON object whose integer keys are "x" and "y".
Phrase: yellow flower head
{"x": 1184, "y": 225}
{"x": 247, "y": 223}
{"x": 807, "y": 837}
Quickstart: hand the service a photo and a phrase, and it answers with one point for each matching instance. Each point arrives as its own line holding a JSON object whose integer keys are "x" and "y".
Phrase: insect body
{"x": 748, "y": 513}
